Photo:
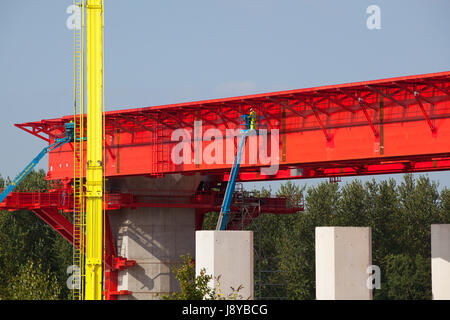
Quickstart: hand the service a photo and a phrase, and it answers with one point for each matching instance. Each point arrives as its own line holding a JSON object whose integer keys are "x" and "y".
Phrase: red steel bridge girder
{"x": 321, "y": 129}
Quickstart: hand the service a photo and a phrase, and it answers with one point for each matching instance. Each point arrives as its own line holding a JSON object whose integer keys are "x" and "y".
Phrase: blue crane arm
{"x": 225, "y": 209}
{"x": 35, "y": 161}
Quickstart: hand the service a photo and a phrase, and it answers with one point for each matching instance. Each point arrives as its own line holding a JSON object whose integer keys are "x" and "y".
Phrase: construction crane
{"x": 69, "y": 137}
{"x": 248, "y": 122}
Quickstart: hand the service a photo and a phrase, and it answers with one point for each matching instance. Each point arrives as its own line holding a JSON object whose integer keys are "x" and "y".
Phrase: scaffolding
{"x": 270, "y": 283}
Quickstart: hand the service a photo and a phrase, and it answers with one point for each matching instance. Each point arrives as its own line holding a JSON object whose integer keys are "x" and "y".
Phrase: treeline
{"x": 34, "y": 258}
{"x": 400, "y": 216}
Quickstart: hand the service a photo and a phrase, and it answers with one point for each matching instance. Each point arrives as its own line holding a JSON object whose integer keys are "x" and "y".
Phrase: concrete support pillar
{"x": 343, "y": 255}
{"x": 228, "y": 254}
{"x": 154, "y": 237}
{"x": 440, "y": 261}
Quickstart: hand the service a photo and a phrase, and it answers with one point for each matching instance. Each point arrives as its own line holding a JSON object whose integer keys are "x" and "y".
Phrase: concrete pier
{"x": 440, "y": 261}
{"x": 343, "y": 255}
{"x": 228, "y": 254}
{"x": 154, "y": 237}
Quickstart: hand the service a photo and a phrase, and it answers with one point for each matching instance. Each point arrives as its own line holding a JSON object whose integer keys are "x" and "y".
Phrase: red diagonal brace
{"x": 108, "y": 148}
{"x": 417, "y": 97}
{"x": 386, "y": 95}
{"x": 33, "y": 132}
{"x": 137, "y": 123}
{"x": 325, "y": 132}
{"x": 290, "y": 107}
{"x": 362, "y": 103}
{"x": 443, "y": 90}
{"x": 327, "y": 136}
{"x": 176, "y": 119}
{"x": 57, "y": 221}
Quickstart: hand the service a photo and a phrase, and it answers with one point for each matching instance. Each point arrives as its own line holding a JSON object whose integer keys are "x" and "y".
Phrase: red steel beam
{"x": 57, "y": 221}
{"x": 405, "y": 134}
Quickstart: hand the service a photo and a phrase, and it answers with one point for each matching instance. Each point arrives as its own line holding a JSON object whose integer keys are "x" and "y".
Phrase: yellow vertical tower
{"x": 94, "y": 169}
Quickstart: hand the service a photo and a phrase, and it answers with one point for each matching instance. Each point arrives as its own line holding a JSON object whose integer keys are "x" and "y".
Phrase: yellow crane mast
{"x": 94, "y": 165}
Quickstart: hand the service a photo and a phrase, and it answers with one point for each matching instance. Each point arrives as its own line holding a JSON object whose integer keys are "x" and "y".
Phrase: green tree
{"x": 352, "y": 208}
{"x": 399, "y": 215}
{"x": 419, "y": 209}
{"x": 33, "y": 282}
{"x": 444, "y": 206}
{"x": 210, "y": 221}
{"x": 295, "y": 245}
{"x": 191, "y": 287}
{"x": 403, "y": 251}
{"x": 408, "y": 277}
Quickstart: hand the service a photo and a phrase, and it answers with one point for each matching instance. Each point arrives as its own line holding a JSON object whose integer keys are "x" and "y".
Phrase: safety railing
{"x": 63, "y": 200}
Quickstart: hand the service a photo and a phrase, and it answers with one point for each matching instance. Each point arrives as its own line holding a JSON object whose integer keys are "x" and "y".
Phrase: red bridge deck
{"x": 383, "y": 126}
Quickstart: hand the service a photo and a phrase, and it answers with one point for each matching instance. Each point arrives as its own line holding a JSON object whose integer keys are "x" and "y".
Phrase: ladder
{"x": 79, "y": 213}
{"x": 161, "y": 150}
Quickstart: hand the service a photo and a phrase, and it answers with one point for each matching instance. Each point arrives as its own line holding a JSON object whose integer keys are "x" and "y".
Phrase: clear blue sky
{"x": 159, "y": 52}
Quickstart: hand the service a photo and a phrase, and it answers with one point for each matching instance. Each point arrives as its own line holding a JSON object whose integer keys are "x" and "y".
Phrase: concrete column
{"x": 228, "y": 254}
{"x": 440, "y": 261}
{"x": 154, "y": 237}
{"x": 343, "y": 255}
